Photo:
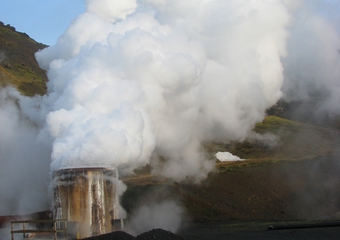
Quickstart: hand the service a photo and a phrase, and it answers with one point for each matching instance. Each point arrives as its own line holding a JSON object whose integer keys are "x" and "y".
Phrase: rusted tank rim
{"x": 84, "y": 168}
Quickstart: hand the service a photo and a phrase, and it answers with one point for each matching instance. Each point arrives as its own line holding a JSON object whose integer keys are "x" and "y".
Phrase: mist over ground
{"x": 148, "y": 82}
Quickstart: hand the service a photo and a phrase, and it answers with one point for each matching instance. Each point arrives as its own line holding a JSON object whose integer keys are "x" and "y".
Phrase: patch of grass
{"x": 19, "y": 67}
{"x": 289, "y": 140}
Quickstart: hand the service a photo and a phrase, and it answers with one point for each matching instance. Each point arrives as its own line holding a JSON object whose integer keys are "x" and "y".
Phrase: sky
{"x": 42, "y": 20}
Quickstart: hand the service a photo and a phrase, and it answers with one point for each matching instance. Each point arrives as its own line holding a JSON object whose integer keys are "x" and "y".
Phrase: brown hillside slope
{"x": 250, "y": 191}
{"x": 18, "y": 66}
{"x": 297, "y": 178}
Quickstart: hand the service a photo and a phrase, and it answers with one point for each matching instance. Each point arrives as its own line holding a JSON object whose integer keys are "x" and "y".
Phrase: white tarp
{"x": 227, "y": 156}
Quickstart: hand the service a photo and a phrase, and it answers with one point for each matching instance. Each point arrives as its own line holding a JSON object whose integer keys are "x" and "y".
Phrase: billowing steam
{"x": 312, "y": 70}
{"x": 166, "y": 215}
{"x": 143, "y": 82}
{"x": 24, "y": 167}
{"x": 156, "y": 79}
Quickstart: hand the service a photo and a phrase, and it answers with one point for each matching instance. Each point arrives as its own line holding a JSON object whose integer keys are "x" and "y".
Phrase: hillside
{"x": 294, "y": 180}
{"x": 292, "y": 174}
{"x": 288, "y": 140}
{"x": 251, "y": 192}
{"x": 18, "y": 66}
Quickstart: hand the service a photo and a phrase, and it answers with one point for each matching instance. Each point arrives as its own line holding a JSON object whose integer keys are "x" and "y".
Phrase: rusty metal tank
{"x": 87, "y": 198}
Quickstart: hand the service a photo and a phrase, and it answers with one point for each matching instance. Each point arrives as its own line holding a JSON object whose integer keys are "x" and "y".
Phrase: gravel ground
{"x": 221, "y": 231}
{"x": 155, "y": 234}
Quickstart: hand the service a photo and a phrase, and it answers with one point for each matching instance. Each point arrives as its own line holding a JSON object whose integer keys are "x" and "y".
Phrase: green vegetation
{"x": 18, "y": 66}
{"x": 284, "y": 139}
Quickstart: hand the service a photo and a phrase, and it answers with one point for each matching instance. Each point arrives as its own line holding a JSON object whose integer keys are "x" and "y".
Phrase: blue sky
{"x": 42, "y": 20}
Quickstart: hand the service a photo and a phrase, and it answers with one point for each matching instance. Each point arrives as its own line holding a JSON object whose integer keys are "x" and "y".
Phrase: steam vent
{"x": 87, "y": 198}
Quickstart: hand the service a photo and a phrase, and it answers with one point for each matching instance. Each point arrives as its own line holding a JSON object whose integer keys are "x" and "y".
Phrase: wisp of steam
{"x": 135, "y": 83}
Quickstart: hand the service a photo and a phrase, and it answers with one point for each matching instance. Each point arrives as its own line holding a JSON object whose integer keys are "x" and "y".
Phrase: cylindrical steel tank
{"x": 87, "y": 198}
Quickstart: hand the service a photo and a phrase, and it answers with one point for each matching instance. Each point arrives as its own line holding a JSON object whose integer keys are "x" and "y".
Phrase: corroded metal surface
{"x": 86, "y": 197}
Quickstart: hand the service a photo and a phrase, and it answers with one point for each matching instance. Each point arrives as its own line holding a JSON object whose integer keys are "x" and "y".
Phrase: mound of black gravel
{"x": 155, "y": 234}
{"x": 158, "y": 234}
{"x": 118, "y": 235}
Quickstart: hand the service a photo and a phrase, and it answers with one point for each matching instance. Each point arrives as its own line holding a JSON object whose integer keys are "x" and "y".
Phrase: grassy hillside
{"x": 295, "y": 179}
{"x": 287, "y": 140}
{"x": 18, "y": 66}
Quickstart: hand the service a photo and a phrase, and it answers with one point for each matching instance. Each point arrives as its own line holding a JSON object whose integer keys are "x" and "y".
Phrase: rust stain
{"x": 86, "y": 197}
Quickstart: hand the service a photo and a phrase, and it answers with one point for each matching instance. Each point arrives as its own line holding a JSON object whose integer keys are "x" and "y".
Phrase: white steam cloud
{"x": 154, "y": 80}
{"x": 143, "y": 82}
{"x": 167, "y": 215}
{"x": 312, "y": 67}
{"x": 24, "y": 167}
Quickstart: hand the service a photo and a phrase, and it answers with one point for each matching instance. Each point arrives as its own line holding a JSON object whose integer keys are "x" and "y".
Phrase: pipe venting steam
{"x": 136, "y": 83}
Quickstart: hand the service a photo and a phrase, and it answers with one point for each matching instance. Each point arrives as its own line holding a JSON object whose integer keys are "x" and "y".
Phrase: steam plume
{"x": 143, "y": 82}
{"x": 24, "y": 162}
{"x": 166, "y": 215}
{"x": 156, "y": 79}
{"x": 312, "y": 70}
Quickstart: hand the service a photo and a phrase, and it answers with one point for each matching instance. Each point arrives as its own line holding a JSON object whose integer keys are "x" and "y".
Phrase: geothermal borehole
{"x": 136, "y": 83}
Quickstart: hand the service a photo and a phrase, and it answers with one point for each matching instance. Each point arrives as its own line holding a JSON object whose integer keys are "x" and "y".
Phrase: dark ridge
{"x": 159, "y": 234}
{"x": 154, "y": 234}
{"x": 118, "y": 235}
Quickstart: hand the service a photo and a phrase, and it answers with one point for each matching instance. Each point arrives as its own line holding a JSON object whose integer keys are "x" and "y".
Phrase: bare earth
{"x": 244, "y": 198}
{"x": 251, "y": 191}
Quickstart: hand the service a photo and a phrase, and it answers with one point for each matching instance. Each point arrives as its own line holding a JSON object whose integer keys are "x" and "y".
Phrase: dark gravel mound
{"x": 118, "y": 235}
{"x": 155, "y": 234}
{"x": 159, "y": 234}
